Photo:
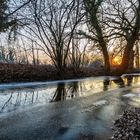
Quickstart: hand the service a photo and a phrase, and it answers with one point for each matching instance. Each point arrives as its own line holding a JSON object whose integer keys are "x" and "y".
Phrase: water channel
{"x": 66, "y": 110}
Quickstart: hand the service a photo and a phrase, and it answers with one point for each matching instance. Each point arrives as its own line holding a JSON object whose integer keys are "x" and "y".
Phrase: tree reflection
{"x": 22, "y": 98}
{"x": 16, "y": 99}
{"x": 106, "y": 84}
{"x": 60, "y": 93}
{"x": 129, "y": 80}
{"x": 74, "y": 89}
{"x": 6, "y": 103}
{"x": 118, "y": 81}
{"x": 64, "y": 91}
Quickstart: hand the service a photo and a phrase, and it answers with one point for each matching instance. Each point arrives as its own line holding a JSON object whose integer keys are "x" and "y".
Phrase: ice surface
{"x": 28, "y": 113}
{"x": 129, "y": 95}
{"x": 41, "y": 84}
{"x": 100, "y": 103}
{"x": 132, "y": 74}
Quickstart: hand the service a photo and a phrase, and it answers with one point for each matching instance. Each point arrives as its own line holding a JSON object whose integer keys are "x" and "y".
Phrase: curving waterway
{"x": 66, "y": 110}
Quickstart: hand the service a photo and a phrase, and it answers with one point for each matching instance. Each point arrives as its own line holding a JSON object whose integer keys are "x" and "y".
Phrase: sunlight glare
{"x": 116, "y": 61}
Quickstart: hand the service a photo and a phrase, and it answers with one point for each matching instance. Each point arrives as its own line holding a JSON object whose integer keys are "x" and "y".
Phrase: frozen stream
{"x": 66, "y": 110}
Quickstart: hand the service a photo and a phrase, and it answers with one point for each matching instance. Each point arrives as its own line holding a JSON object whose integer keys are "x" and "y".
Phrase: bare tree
{"x": 96, "y": 28}
{"x": 137, "y": 55}
{"x": 52, "y": 19}
{"x": 78, "y": 53}
{"x": 123, "y": 18}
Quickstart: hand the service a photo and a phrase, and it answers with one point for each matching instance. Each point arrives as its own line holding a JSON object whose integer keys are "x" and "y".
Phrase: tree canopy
{"x": 5, "y": 22}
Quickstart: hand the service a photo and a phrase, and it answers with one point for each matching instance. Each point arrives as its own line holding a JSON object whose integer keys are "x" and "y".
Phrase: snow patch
{"x": 132, "y": 74}
{"x": 100, "y": 103}
{"x": 129, "y": 95}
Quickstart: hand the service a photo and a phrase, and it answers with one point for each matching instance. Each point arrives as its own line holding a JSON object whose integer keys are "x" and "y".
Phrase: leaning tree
{"x": 96, "y": 29}
{"x": 123, "y": 18}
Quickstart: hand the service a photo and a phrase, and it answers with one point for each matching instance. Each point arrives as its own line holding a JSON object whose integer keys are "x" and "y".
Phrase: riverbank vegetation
{"x": 30, "y": 73}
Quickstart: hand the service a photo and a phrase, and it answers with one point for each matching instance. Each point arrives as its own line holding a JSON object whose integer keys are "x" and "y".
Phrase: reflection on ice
{"x": 50, "y": 83}
{"x": 22, "y": 95}
{"x": 135, "y": 102}
{"x": 105, "y": 98}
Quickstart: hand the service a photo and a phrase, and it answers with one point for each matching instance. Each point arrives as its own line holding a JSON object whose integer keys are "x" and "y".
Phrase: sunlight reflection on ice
{"x": 100, "y": 103}
{"x": 135, "y": 102}
{"x": 14, "y": 96}
{"x": 129, "y": 95}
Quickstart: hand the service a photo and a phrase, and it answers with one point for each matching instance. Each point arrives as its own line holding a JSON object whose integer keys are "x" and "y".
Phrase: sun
{"x": 116, "y": 61}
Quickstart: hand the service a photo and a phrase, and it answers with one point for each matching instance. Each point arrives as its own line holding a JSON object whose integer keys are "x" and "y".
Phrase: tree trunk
{"x": 60, "y": 93}
{"x": 137, "y": 56}
{"x": 125, "y": 60}
{"x": 61, "y": 67}
{"x": 105, "y": 56}
{"x": 131, "y": 61}
{"x": 106, "y": 60}
{"x": 33, "y": 54}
